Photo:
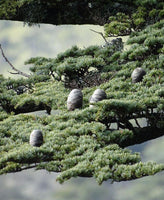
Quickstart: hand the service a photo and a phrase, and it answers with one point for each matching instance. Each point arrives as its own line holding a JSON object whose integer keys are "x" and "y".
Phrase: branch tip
{"x": 11, "y": 65}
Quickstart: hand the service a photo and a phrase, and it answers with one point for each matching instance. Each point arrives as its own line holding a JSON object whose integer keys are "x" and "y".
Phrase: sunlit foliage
{"x": 92, "y": 141}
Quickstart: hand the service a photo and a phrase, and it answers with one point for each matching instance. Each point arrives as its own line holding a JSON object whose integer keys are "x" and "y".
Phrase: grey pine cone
{"x": 137, "y": 75}
{"x": 36, "y": 138}
{"x": 98, "y": 95}
{"x": 75, "y": 99}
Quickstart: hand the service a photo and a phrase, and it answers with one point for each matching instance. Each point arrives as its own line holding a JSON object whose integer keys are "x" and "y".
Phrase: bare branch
{"x": 13, "y": 68}
{"x": 137, "y": 123}
{"x": 15, "y": 73}
{"x": 101, "y": 35}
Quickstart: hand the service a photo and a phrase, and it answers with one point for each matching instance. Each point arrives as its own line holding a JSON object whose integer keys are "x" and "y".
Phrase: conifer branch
{"x": 17, "y": 71}
{"x": 82, "y": 142}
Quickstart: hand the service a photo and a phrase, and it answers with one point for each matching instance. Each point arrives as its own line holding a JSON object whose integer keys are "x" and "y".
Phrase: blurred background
{"x": 20, "y": 43}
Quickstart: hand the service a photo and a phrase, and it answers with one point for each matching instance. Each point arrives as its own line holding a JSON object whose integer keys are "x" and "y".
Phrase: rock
{"x": 36, "y": 138}
{"x": 98, "y": 95}
{"x": 137, "y": 75}
{"x": 75, "y": 99}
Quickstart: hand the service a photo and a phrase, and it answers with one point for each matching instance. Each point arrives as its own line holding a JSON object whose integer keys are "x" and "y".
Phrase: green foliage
{"x": 73, "y": 151}
{"x": 127, "y": 14}
{"x": 79, "y": 66}
{"x": 123, "y": 23}
{"x": 7, "y": 8}
{"x": 33, "y": 10}
{"x": 89, "y": 142}
{"x": 119, "y": 25}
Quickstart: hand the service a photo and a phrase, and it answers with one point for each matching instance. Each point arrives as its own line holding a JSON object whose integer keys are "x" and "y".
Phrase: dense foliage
{"x": 90, "y": 141}
{"x": 122, "y": 15}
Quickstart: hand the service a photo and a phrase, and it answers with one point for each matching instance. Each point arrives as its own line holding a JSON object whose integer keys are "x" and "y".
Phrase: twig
{"x": 15, "y": 73}
{"x": 101, "y": 35}
{"x": 113, "y": 75}
{"x": 51, "y": 73}
{"x": 137, "y": 123}
{"x": 13, "y": 68}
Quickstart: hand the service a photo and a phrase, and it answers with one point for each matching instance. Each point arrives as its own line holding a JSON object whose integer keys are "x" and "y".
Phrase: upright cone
{"x": 137, "y": 75}
{"x": 36, "y": 138}
{"x": 75, "y": 99}
{"x": 98, "y": 95}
